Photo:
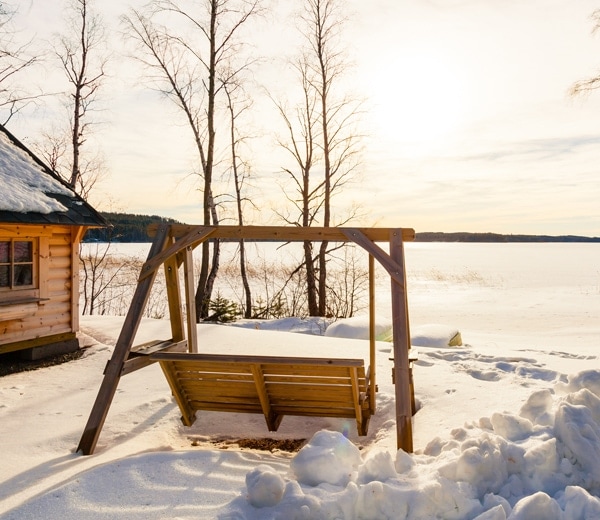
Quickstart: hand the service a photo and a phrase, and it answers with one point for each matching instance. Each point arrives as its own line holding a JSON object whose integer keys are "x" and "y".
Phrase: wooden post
{"x": 171, "y": 267}
{"x": 394, "y": 265}
{"x": 190, "y": 300}
{"x": 401, "y": 338}
{"x": 114, "y": 367}
{"x": 372, "y": 359}
{"x": 77, "y": 233}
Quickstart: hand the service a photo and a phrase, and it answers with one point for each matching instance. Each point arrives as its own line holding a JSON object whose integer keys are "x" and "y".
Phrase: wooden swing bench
{"x": 269, "y": 385}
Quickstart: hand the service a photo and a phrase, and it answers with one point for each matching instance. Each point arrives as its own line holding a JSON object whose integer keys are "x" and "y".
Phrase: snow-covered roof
{"x": 32, "y": 193}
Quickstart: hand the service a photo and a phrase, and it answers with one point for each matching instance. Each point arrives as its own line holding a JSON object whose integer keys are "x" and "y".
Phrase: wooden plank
{"x": 197, "y": 400}
{"x": 61, "y": 237}
{"x": 51, "y": 309}
{"x": 356, "y": 399}
{"x": 401, "y": 342}
{"x": 294, "y": 367}
{"x": 207, "y": 367}
{"x": 63, "y": 274}
{"x": 151, "y": 347}
{"x": 62, "y": 251}
{"x": 240, "y": 393}
{"x": 307, "y": 391}
{"x": 205, "y": 398}
{"x": 109, "y": 384}
{"x": 189, "y": 414}
{"x": 347, "y": 413}
{"x": 309, "y": 379}
{"x": 199, "y": 379}
{"x": 240, "y": 358}
{"x": 18, "y": 301}
{"x": 231, "y": 408}
{"x": 282, "y": 233}
{"x": 59, "y": 262}
{"x": 328, "y": 397}
{"x": 323, "y": 405}
{"x": 33, "y": 326}
{"x": 36, "y": 342}
{"x": 24, "y": 231}
{"x": 215, "y": 386}
{"x": 241, "y": 405}
{"x": 140, "y": 357}
{"x": 17, "y": 311}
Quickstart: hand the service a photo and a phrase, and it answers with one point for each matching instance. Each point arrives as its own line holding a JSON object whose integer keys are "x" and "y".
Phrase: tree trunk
{"x": 311, "y": 285}
{"x": 216, "y": 258}
{"x": 200, "y": 297}
{"x": 202, "y": 291}
{"x": 323, "y": 279}
{"x": 246, "y": 284}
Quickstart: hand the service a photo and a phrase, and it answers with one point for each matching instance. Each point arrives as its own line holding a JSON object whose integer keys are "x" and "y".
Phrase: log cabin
{"x": 42, "y": 222}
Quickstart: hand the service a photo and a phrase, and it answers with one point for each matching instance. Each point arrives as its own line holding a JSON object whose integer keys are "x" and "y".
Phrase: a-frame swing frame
{"x": 172, "y": 248}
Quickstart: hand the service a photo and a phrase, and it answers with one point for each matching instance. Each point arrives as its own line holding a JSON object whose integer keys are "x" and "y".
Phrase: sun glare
{"x": 421, "y": 100}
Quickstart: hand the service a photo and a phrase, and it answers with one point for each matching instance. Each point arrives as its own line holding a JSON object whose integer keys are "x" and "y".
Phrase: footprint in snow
{"x": 483, "y": 375}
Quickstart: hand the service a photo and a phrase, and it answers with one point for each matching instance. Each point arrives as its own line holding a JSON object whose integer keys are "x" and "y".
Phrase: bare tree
{"x": 15, "y": 58}
{"x": 192, "y": 73}
{"x": 83, "y": 58}
{"x": 301, "y": 143}
{"x": 323, "y": 22}
{"x": 327, "y": 123}
{"x": 239, "y": 170}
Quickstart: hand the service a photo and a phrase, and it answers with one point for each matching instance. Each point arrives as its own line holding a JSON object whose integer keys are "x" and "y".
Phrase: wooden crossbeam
{"x": 282, "y": 233}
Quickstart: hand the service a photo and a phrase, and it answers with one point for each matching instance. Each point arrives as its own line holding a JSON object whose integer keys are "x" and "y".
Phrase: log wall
{"x": 56, "y": 311}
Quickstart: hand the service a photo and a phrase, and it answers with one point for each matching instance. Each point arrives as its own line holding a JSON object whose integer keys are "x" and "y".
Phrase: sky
{"x": 507, "y": 425}
{"x": 467, "y": 123}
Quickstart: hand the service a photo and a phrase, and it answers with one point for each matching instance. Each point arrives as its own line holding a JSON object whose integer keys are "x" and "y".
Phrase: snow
{"x": 29, "y": 185}
{"x": 357, "y": 327}
{"x": 508, "y": 423}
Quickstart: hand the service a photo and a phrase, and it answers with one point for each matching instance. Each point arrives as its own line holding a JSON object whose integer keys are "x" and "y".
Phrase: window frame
{"x": 18, "y": 293}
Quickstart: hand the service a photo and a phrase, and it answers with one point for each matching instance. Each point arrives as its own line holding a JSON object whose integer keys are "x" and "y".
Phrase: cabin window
{"x": 17, "y": 264}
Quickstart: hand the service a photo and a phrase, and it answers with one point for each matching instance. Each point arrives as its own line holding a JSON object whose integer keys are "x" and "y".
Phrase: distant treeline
{"x": 497, "y": 237}
{"x": 127, "y": 227}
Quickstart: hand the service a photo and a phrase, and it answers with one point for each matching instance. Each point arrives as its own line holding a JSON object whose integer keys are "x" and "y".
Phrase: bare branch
{"x": 15, "y": 58}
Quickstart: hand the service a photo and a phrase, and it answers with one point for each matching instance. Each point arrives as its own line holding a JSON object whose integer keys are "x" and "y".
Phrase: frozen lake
{"x": 554, "y": 287}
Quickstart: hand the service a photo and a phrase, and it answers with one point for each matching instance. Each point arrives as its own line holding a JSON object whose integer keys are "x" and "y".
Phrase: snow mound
{"x": 329, "y": 458}
{"x": 357, "y": 327}
{"x": 265, "y": 486}
{"x": 436, "y": 336}
{"x": 540, "y": 464}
